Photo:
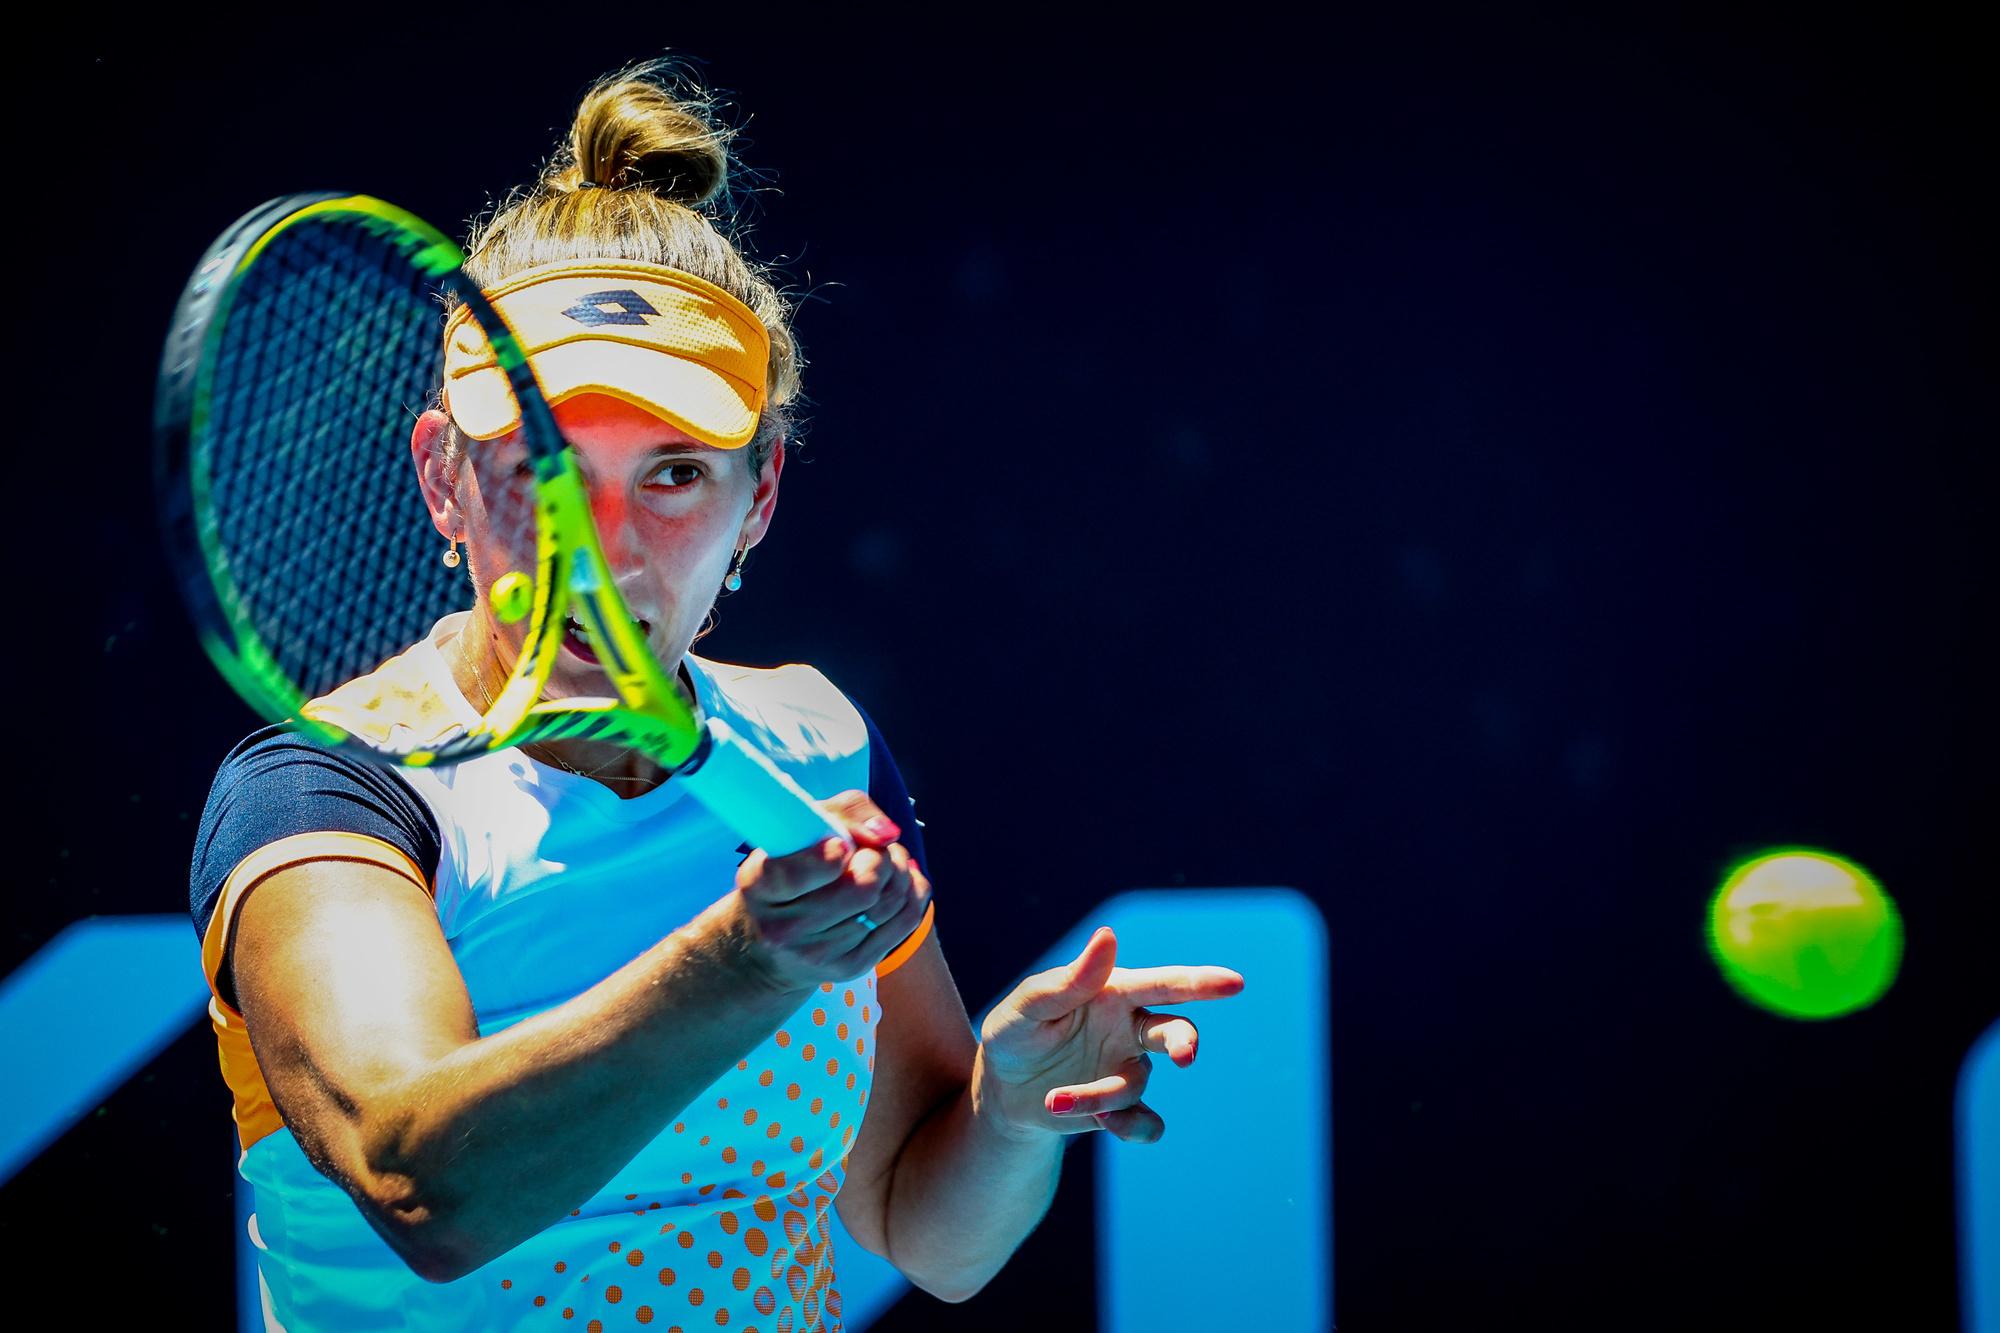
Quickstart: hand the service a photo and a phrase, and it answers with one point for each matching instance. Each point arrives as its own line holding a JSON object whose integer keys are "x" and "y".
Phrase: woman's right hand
{"x": 799, "y": 912}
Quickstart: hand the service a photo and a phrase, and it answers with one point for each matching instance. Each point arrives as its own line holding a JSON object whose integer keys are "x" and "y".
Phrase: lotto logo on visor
{"x": 619, "y": 307}
{"x": 683, "y": 349}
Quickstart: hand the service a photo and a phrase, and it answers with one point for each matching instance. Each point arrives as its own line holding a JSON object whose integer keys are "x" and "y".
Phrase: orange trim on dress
{"x": 908, "y": 946}
{"x": 256, "y": 1115}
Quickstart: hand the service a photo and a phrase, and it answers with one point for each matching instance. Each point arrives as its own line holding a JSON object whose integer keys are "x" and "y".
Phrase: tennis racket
{"x": 307, "y": 340}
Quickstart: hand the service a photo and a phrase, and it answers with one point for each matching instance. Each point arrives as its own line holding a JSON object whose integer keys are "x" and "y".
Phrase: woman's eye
{"x": 678, "y": 475}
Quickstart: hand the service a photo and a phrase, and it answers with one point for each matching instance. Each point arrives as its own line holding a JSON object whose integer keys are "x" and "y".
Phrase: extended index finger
{"x": 1172, "y": 985}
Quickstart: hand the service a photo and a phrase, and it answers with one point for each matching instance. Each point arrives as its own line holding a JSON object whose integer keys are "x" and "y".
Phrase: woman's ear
{"x": 765, "y": 500}
{"x": 436, "y": 474}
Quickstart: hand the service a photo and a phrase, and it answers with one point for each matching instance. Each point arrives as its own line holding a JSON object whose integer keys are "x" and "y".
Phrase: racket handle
{"x": 753, "y": 795}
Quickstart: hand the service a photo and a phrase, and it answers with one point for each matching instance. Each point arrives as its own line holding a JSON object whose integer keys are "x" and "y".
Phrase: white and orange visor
{"x": 667, "y": 341}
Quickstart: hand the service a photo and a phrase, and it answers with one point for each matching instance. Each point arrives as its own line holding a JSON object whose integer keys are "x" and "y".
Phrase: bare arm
{"x": 931, "y": 1185}
{"x": 458, "y": 1148}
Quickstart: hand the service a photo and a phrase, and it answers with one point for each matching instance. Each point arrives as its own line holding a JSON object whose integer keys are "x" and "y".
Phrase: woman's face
{"x": 670, "y": 511}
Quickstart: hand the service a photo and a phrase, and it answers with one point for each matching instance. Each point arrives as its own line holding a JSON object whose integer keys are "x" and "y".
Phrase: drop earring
{"x": 735, "y": 579}
{"x": 451, "y": 554}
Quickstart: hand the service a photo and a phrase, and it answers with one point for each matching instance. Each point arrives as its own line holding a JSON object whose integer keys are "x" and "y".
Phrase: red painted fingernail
{"x": 1061, "y": 1103}
{"x": 882, "y": 827}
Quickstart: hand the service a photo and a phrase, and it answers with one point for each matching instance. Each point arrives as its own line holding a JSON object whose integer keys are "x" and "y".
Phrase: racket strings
{"x": 331, "y": 347}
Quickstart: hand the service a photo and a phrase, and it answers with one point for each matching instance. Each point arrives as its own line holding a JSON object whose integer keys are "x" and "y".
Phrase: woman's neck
{"x": 477, "y": 672}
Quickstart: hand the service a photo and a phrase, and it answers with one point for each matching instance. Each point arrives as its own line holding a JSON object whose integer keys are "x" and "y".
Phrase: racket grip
{"x": 753, "y": 795}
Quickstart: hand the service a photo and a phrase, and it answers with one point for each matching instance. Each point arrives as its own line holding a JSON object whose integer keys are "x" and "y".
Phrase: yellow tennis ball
{"x": 513, "y": 596}
{"x": 1806, "y": 934}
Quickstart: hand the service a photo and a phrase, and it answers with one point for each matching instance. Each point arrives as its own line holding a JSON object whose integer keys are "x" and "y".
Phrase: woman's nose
{"x": 612, "y": 511}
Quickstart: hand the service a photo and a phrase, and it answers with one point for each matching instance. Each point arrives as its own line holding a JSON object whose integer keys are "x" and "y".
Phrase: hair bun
{"x": 649, "y": 125}
{"x": 645, "y": 157}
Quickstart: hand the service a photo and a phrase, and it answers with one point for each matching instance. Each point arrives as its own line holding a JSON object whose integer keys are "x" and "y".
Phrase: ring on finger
{"x": 866, "y": 924}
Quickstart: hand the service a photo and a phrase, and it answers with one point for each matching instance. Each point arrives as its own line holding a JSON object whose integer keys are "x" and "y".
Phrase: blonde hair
{"x": 646, "y": 175}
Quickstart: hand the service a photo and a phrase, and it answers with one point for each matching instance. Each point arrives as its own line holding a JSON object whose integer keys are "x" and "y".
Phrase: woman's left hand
{"x": 1067, "y": 1051}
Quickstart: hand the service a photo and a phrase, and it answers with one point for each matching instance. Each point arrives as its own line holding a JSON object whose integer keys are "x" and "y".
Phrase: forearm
{"x": 964, "y": 1195}
{"x": 507, "y": 1134}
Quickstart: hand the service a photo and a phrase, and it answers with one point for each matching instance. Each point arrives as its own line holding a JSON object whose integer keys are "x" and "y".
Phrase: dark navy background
{"x": 1489, "y": 473}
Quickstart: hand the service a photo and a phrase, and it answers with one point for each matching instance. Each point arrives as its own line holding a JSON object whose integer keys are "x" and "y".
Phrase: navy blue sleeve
{"x": 885, "y": 788}
{"x": 277, "y": 783}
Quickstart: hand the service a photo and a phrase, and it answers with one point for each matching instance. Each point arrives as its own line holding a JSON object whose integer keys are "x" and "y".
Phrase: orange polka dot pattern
{"x": 723, "y": 1220}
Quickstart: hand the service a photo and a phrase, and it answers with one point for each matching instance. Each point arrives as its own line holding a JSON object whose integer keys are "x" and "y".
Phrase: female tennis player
{"x": 533, "y": 1042}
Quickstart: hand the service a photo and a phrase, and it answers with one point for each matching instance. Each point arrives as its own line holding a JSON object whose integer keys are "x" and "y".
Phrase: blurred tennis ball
{"x": 1806, "y": 934}
{"x": 513, "y": 595}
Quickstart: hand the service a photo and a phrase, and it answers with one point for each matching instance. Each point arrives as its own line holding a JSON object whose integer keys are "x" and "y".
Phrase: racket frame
{"x": 571, "y": 572}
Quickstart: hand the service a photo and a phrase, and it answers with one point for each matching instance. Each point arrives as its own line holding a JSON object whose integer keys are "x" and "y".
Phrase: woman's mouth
{"x": 577, "y": 641}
